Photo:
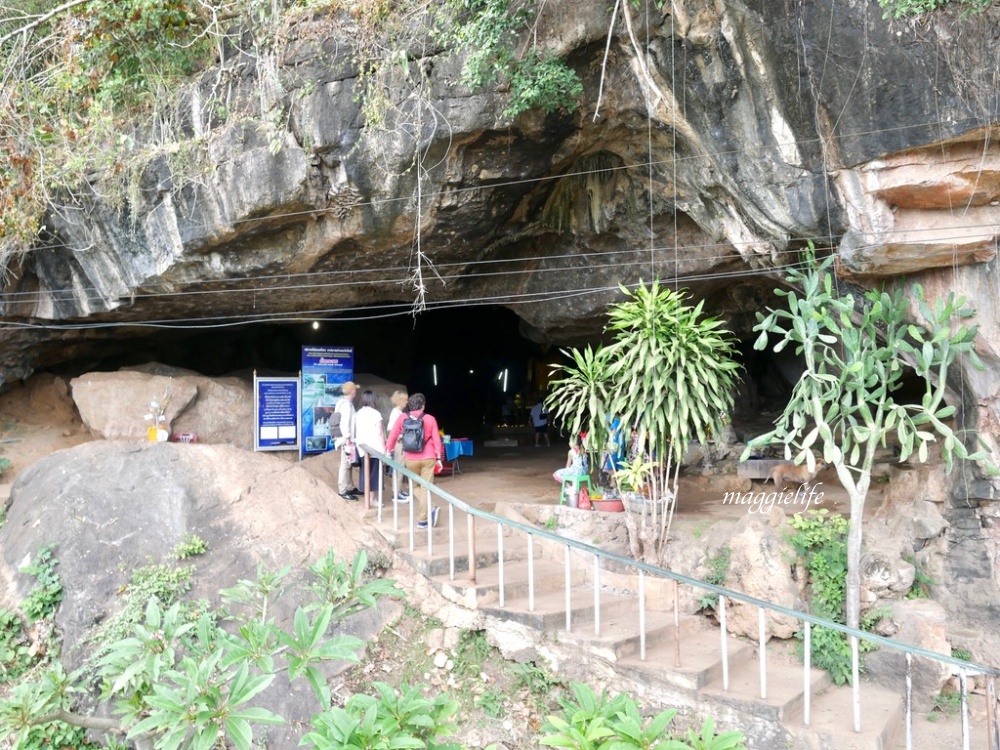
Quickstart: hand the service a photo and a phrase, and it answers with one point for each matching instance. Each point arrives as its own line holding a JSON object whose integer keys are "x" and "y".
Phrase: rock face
{"x": 109, "y": 507}
{"x": 113, "y": 405}
{"x": 922, "y": 623}
{"x": 717, "y": 145}
{"x": 724, "y": 138}
{"x": 760, "y": 564}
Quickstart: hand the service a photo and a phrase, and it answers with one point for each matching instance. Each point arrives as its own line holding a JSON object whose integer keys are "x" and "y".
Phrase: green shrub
{"x": 15, "y": 649}
{"x": 718, "y": 568}
{"x": 190, "y": 546}
{"x": 43, "y": 600}
{"x": 902, "y": 8}
{"x": 820, "y": 541}
{"x": 591, "y": 722}
{"x": 387, "y": 720}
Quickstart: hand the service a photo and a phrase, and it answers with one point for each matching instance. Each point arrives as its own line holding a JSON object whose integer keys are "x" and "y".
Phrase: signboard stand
{"x": 325, "y": 369}
{"x": 276, "y": 414}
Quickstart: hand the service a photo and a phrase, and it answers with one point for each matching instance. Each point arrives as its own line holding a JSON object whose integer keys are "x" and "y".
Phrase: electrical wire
{"x": 547, "y": 295}
{"x": 726, "y": 251}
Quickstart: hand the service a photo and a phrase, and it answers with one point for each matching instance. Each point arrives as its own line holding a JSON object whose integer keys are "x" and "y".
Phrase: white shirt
{"x": 345, "y": 411}
{"x": 369, "y": 431}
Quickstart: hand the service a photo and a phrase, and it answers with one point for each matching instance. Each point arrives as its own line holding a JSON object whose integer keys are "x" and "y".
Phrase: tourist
{"x": 422, "y": 450}
{"x": 576, "y": 461}
{"x": 398, "y": 399}
{"x": 344, "y": 412}
{"x": 540, "y": 421}
{"x": 369, "y": 432}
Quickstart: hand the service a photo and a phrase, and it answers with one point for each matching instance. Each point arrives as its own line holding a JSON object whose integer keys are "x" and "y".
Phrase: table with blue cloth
{"x": 453, "y": 449}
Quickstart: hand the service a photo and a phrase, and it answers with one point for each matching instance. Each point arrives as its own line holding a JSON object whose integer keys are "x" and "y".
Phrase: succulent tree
{"x": 669, "y": 374}
{"x": 842, "y": 409}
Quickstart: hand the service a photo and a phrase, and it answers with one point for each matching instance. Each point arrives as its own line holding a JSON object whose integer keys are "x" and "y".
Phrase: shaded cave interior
{"x": 480, "y": 367}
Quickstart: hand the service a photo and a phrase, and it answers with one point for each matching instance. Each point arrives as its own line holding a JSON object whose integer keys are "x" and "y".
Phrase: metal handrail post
{"x": 500, "y": 562}
{"x": 725, "y": 643}
{"x": 366, "y": 468}
{"x": 677, "y": 625}
{"x": 471, "y": 528}
{"x": 568, "y": 586}
{"x": 597, "y": 594}
{"x": 642, "y": 616}
{"x": 807, "y": 678}
{"x": 762, "y": 651}
{"x": 963, "y": 682}
{"x": 451, "y": 542}
{"x": 992, "y": 718}
{"x": 908, "y": 701}
{"x": 856, "y": 681}
{"x": 381, "y": 487}
{"x": 413, "y": 521}
{"x": 531, "y": 572}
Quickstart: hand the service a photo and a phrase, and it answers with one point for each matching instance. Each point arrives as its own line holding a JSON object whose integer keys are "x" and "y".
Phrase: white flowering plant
{"x": 156, "y": 416}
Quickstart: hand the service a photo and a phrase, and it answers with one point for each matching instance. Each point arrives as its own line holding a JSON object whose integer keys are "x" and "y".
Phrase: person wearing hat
{"x": 344, "y": 411}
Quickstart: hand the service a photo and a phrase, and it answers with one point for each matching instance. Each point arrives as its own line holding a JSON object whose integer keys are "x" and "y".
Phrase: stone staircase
{"x": 683, "y": 665}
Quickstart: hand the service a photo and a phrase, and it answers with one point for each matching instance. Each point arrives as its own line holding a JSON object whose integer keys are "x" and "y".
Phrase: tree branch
{"x": 78, "y": 720}
{"x": 42, "y": 19}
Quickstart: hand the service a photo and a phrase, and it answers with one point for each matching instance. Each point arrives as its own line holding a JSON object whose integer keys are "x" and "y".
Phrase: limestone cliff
{"x": 713, "y": 139}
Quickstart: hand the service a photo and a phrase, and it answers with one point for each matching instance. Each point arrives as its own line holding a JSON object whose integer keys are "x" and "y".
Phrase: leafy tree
{"x": 856, "y": 351}
{"x": 669, "y": 374}
{"x": 187, "y": 678}
{"x": 89, "y": 87}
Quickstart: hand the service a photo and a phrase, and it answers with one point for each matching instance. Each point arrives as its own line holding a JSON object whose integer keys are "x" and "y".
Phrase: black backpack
{"x": 413, "y": 433}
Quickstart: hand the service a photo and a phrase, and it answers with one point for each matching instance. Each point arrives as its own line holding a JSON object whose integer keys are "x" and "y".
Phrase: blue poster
{"x": 276, "y": 414}
{"x": 324, "y": 370}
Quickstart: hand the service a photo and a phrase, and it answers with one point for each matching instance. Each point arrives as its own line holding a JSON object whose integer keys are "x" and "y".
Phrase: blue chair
{"x": 575, "y": 482}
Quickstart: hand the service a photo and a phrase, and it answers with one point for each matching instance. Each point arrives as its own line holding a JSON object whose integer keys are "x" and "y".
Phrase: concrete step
{"x": 549, "y": 613}
{"x": 831, "y": 721}
{"x": 700, "y": 660}
{"x": 785, "y": 689}
{"x": 548, "y": 577}
{"x": 620, "y": 639}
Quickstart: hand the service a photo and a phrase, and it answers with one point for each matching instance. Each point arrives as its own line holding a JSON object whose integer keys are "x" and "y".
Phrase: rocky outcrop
{"x": 711, "y": 140}
{"x": 108, "y": 508}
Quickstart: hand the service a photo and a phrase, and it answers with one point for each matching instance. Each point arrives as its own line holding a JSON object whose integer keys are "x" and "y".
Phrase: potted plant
{"x": 669, "y": 372}
{"x": 634, "y": 481}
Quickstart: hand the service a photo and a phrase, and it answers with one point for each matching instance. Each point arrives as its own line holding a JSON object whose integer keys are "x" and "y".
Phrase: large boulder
{"x": 113, "y": 405}
{"x": 760, "y": 564}
{"x": 917, "y": 622}
{"x": 885, "y": 576}
{"x": 108, "y": 507}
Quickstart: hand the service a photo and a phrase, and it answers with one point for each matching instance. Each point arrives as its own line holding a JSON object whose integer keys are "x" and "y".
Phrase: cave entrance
{"x": 473, "y": 363}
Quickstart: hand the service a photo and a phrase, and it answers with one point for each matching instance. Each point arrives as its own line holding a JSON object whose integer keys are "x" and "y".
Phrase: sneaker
{"x": 349, "y": 497}
{"x": 354, "y": 491}
{"x": 421, "y": 524}
{"x": 434, "y": 516}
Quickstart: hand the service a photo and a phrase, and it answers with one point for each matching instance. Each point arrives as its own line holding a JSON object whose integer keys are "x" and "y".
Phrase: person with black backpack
{"x": 422, "y": 449}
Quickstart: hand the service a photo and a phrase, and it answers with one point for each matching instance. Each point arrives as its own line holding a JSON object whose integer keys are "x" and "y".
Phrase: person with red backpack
{"x": 422, "y": 449}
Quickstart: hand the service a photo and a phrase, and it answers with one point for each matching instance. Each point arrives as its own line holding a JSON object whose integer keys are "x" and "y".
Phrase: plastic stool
{"x": 576, "y": 482}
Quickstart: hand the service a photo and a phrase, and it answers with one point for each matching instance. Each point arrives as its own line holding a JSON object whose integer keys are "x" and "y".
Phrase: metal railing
{"x": 964, "y": 669}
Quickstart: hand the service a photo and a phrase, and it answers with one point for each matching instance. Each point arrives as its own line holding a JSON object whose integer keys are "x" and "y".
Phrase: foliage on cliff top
{"x": 90, "y": 87}
{"x": 903, "y": 8}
